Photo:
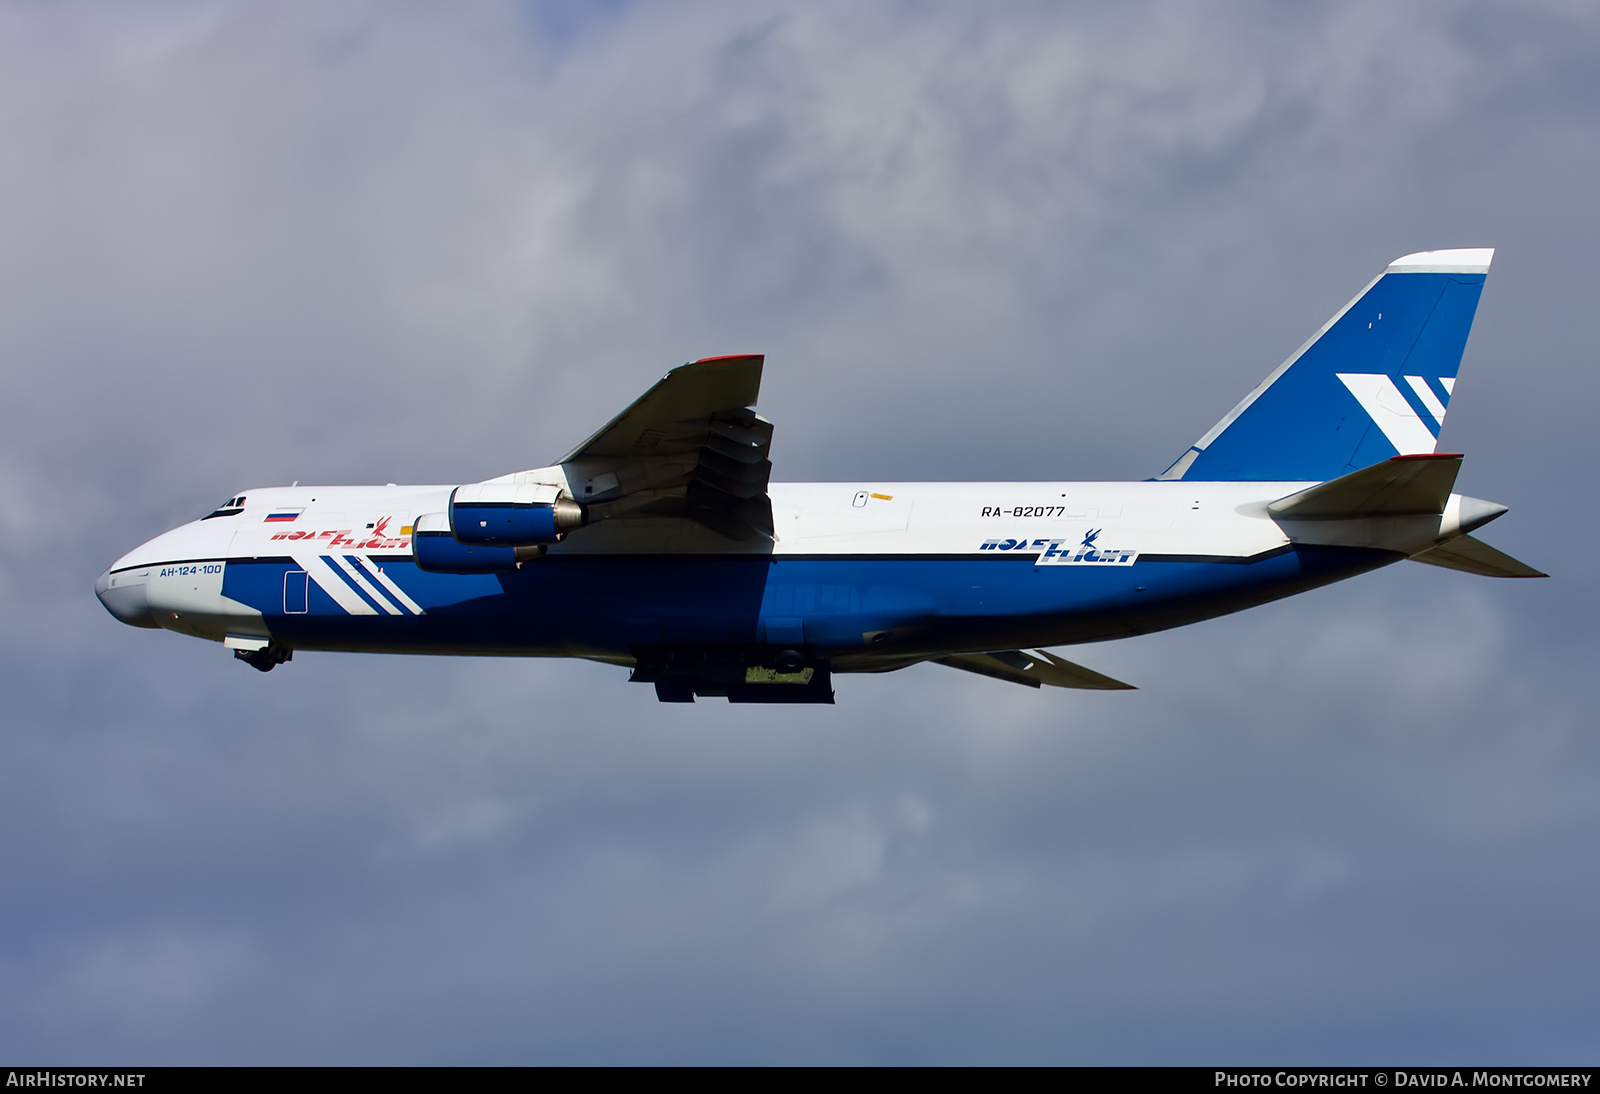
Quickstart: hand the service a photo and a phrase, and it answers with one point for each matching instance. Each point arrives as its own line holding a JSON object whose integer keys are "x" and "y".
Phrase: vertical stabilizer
{"x": 1372, "y": 384}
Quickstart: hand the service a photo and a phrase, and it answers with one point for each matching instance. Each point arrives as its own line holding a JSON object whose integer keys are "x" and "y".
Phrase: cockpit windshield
{"x": 230, "y": 508}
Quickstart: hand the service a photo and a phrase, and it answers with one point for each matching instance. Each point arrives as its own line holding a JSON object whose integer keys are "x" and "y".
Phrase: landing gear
{"x": 674, "y": 691}
{"x": 266, "y": 658}
{"x": 740, "y": 674}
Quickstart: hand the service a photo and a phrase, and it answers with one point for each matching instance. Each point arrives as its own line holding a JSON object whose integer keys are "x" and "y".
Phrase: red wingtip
{"x": 730, "y": 357}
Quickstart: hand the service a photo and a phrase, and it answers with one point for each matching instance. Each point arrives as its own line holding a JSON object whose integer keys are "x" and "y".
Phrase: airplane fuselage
{"x": 860, "y": 573}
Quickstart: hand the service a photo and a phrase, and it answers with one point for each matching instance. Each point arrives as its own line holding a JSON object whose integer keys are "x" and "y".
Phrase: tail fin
{"x": 1373, "y": 383}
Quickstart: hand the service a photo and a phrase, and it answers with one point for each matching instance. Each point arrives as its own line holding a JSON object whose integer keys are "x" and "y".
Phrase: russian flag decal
{"x": 279, "y": 516}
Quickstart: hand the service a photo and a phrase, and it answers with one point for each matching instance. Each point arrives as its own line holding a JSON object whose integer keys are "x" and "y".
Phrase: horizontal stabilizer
{"x": 1400, "y": 486}
{"x": 1476, "y": 557}
{"x": 1032, "y": 669}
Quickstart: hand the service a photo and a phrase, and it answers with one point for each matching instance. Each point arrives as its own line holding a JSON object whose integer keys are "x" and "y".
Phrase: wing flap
{"x": 689, "y": 448}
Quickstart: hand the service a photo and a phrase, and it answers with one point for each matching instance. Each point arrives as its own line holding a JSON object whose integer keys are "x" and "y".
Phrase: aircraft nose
{"x": 125, "y": 597}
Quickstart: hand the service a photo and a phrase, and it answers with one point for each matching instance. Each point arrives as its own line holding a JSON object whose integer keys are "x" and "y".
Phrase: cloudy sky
{"x": 244, "y": 244}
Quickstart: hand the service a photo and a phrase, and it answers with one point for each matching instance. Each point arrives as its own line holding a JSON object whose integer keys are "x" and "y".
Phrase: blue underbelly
{"x": 586, "y": 604}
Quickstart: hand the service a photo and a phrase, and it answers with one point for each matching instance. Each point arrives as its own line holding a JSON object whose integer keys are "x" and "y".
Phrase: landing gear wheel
{"x": 265, "y": 659}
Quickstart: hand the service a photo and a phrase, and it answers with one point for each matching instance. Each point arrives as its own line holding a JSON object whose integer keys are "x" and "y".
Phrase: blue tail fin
{"x": 1371, "y": 384}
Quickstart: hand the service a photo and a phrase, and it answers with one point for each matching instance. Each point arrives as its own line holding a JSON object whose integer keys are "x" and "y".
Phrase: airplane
{"x": 660, "y": 545}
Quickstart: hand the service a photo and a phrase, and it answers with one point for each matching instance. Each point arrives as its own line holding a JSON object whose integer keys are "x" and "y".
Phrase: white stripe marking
{"x": 364, "y": 585}
{"x": 1448, "y": 383}
{"x": 1429, "y": 399}
{"x": 330, "y": 583}
{"x": 387, "y": 582}
{"x": 1391, "y": 413}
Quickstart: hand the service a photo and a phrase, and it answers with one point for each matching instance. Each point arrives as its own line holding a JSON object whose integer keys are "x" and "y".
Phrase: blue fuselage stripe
{"x": 614, "y": 603}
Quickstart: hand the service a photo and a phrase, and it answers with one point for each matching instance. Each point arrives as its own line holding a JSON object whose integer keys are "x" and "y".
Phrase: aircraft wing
{"x": 689, "y": 447}
{"x": 1032, "y": 670}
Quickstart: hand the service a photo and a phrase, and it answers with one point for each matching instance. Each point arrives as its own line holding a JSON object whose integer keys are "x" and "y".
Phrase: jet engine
{"x": 502, "y": 514}
{"x": 492, "y": 527}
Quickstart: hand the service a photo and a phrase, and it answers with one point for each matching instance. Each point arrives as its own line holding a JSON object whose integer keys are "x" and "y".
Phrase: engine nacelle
{"x": 435, "y": 549}
{"x": 503, "y": 514}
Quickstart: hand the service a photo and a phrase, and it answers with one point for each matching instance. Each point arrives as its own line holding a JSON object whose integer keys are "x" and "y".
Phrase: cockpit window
{"x": 230, "y": 508}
